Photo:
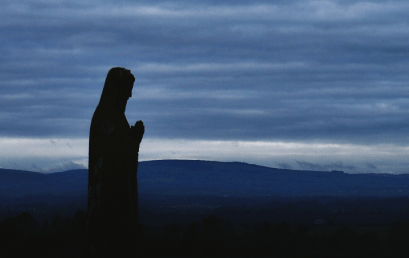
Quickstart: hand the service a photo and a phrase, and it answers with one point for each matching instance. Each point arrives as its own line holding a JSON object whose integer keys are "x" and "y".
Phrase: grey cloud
{"x": 335, "y": 72}
{"x": 333, "y": 166}
{"x": 13, "y": 165}
{"x": 64, "y": 167}
{"x": 371, "y": 166}
{"x": 284, "y": 165}
{"x": 310, "y": 166}
{"x": 35, "y": 168}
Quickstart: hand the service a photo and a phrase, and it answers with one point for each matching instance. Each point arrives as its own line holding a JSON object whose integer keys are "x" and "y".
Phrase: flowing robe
{"x": 112, "y": 216}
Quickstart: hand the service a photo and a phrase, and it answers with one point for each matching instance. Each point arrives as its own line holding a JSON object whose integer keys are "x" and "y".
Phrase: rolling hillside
{"x": 194, "y": 177}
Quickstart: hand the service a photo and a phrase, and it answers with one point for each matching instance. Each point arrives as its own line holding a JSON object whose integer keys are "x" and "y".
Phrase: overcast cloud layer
{"x": 289, "y": 72}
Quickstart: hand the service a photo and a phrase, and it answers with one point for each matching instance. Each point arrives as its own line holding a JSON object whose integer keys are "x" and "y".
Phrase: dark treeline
{"x": 198, "y": 226}
{"x": 41, "y": 207}
{"x": 243, "y": 212}
{"x": 159, "y": 210}
{"x": 212, "y": 236}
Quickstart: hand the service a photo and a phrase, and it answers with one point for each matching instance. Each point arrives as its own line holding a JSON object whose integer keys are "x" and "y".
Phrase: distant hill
{"x": 195, "y": 177}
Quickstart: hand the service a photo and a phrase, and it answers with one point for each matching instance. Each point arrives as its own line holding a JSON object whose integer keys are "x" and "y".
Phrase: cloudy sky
{"x": 303, "y": 84}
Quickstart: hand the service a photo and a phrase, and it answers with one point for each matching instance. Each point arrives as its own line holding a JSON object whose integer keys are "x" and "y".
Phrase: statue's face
{"x": 124, "y": 93}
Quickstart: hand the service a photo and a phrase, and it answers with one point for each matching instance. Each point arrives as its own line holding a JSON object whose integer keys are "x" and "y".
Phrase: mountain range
{"x": 211, "y": 178}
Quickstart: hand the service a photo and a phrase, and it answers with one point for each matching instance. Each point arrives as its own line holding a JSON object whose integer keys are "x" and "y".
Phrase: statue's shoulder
{"x": 103, "y": 123}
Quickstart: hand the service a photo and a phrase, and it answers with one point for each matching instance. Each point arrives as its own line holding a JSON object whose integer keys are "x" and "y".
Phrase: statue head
{"x": 117, "y": 89}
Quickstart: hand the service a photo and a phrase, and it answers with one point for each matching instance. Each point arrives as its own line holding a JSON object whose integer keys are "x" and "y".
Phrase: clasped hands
{"x": 137, "y": 131}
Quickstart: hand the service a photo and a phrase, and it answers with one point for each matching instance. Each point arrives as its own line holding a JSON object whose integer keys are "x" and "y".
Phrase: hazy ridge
{"x": 195, "y": 177}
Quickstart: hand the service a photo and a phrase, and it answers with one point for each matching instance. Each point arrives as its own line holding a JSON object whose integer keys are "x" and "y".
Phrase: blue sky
{"x": 317, "y": 85}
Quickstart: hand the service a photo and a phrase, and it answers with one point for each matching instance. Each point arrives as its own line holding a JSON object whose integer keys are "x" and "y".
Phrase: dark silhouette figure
{"x": 112, "y": 216}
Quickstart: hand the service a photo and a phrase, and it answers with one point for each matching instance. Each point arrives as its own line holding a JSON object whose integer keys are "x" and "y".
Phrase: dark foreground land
{"x": 216, "y": 209}
{"x": 64, "y": 238}
{"x": 310, "y": 227}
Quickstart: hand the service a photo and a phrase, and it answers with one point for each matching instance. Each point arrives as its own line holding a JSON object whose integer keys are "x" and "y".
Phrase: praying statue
{"x": 112, "y": 215}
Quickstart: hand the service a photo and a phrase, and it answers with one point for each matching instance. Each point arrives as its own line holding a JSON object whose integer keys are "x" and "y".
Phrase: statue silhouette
{"x": 112, "y": 216}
